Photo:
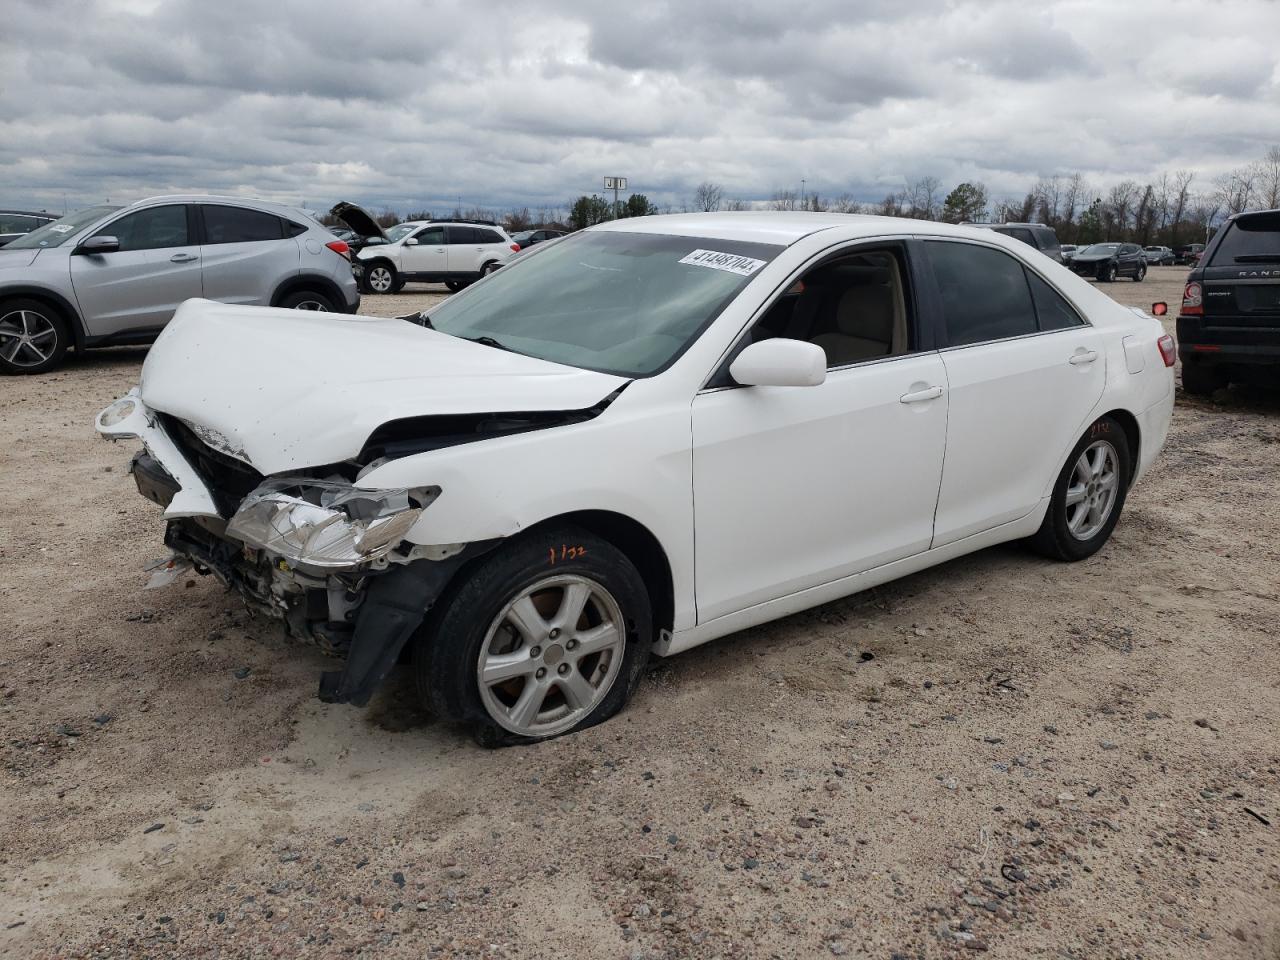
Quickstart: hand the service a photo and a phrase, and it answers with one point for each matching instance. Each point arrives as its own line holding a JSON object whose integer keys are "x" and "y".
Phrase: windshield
{"x": 399, "y": 231}
{"x": 621, "y": 303}
{"x": 1101, "y": 248}
{"x": 60, "y": 231}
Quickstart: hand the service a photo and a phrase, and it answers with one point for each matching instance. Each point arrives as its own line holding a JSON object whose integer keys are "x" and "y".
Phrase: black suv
{"x": 1038, "y": 235}
{"x": 1107, "y": 261}
{"x": 1229, "y": 327}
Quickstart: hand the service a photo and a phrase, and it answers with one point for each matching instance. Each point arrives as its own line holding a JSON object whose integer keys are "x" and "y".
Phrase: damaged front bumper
{"x": 325, "y": 558}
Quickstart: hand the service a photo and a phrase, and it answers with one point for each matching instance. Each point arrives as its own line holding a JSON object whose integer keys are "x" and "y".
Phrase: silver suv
{"x": 115, "y": 275}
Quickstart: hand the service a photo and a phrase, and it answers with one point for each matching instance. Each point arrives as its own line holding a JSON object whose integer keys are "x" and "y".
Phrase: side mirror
{"x": 780, "y": 362}
{"x": 1159, "y": 308}
{"x": 411, "y": 241}
{"x": 101, "y": 244}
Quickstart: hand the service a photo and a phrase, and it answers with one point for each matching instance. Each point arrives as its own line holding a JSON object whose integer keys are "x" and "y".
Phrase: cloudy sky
{"x": 411, "y": 104}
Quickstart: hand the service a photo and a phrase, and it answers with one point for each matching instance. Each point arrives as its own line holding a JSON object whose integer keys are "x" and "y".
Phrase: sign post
{"x": 615, "y": 184}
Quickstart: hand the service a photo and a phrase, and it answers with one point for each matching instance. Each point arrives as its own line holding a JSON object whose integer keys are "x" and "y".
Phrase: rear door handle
{"x": 918, "y": 396}
{"x": 183, "y": 258}
{"x": 1083, "y": 356}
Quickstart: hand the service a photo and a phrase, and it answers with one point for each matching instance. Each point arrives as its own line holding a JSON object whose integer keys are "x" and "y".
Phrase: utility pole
{"x": 802, "y": 193}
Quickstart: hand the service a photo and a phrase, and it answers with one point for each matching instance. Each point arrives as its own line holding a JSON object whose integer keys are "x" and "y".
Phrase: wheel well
{"x": 1131, "y": 433}
{"x": 641, "y": 547}
{"x": 53, "y": 302}
{"x": 310, "y": 281}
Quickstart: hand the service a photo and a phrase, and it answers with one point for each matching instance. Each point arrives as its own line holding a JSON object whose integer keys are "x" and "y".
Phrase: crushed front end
{"x": 326, "y": 558}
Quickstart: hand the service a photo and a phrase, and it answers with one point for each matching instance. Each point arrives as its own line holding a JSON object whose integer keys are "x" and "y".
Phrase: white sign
{"x": 615, "y": 183}
{"x": 729, "y": 262}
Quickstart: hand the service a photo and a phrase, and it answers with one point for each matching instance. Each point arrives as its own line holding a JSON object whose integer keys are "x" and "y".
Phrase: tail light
{"x": 515, "y": 247}
{"x": 1193, "y": 300}
{"x": 1168, "y": 352}
{"x": 340, "y": 247}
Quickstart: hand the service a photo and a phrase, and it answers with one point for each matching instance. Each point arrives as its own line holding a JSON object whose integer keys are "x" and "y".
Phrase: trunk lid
{"x": 1241, "y": 281}
{"x": 287, "y": 389}
{"x": 359, "y": 220}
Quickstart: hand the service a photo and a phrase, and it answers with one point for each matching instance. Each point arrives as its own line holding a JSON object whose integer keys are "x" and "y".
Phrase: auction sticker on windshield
{"x": 730, "y": 262}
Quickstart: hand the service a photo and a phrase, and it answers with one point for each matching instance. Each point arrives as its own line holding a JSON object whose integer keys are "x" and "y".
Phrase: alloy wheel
{"x": 1091, "y": 492}
{"x": 551, "y": 656}
{"x": 380, "y": 279}
{"x": 312, "y": 305}
{"x": 27, "y": 338}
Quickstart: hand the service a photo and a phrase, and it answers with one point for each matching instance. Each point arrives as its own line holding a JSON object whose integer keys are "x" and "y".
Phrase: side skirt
{"x": 669, "y": 644}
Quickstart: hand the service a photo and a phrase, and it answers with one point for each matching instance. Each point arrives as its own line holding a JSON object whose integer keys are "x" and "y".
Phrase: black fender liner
{"x": 393, "y": 610}
{"x": 313, "y": 281}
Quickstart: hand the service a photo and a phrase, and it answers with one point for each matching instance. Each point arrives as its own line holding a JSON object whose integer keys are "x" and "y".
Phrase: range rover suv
{"x": 1229, "y": 326}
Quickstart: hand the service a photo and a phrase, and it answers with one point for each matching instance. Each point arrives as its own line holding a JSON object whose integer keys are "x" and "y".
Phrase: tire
{"x": 1076, "y": 531}
{"x": 548, "y": 569}
{"x": 1140, "y": 273}
{"x": 33, "y": 337}
{"x": 490, "y": 267}
{"x": 308, "y": 300}
{"x": 454, "y": 285}
{"x": 1202, "y": 379}
{"x": 1109, "y": 273}
{"x": 380, "y": 276}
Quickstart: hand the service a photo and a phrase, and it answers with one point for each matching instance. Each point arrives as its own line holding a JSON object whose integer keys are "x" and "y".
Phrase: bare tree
{"x": 890, "y": 206}
{"x": 845, "y": 204}
{"x": 736, "y": 204}
{"x": 1049, "y": 198}
{"x": 784, "y": 200}
{"x": 1234, "y": 191}
{"x": 1268, "y": 187}
{"x": 1180, "y": 191}
{"x": 708, "y": 196}
{"x": 1074, "y": 197}
{"x": 924, "y": 198}
{"x": 1119, "y": 207}
{"x": 515, "y": 220}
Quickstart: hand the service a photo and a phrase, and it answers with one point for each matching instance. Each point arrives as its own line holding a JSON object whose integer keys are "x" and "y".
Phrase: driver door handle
{"x": 183, "y": 258}
{"x": 918, "y": 396}
{"x": 1083, "y": 356}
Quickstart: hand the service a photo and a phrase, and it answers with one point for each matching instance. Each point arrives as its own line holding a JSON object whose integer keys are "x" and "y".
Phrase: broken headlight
{"x": 324, "y": 523}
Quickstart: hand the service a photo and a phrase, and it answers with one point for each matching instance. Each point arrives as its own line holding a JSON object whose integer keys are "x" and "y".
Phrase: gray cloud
{"x": 413, "y": 105}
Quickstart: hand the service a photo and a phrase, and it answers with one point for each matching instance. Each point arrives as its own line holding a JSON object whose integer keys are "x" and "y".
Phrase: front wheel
{"x": 382, "y": 278}
{"x": 1140, "y": 273}
{"x": 1089, "y": 494}
{"x": 1109, "y": 273}
{"x": 33, "y": 338}
{"x": 548, "y": 634}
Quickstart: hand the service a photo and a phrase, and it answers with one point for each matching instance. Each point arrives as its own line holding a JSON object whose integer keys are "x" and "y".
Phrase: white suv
{"x": 455, "y": 252}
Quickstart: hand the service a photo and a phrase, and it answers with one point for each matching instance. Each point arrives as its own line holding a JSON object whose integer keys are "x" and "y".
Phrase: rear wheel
{"x": 381, "y": 277}
{"x": 546, "y": 635}
{"x": 308, "y": 300}
{"x": 1089, "y": 494}
{"x": 489, "y": 268}
{"x": 454, "y": 285}
{"x": 33, "y": 337}
{"x": 1202, "y": 379}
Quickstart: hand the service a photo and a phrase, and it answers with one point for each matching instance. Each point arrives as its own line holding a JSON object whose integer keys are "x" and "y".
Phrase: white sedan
{"x": 637, "y": 439}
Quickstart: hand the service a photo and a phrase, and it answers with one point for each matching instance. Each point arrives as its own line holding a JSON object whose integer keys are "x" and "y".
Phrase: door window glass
{"x": 238, "y": 225}
{"x": 431, "y": 236}
{"x": 1052, "y": 309}
{"x": 854, "y": 307}
{"x": 984, "y": 293}
{"x": 460, "y": 235}
{"x": 150, "y": 229}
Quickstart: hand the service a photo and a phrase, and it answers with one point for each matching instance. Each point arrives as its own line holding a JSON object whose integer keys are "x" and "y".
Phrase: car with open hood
{"x": 637, "y": 439}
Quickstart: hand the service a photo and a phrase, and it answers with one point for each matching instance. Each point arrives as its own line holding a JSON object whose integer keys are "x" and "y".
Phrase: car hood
{"x": 1091, "y": 257}
{"x": 286, "y": 389}
{"x": 359, "y": 220}
{"x": 17, "y": 258}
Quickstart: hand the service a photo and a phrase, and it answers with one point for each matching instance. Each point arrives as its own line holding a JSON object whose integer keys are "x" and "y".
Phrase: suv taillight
{"x": 1168, "y": 352}
{"x": 515, "y": 247}
{"x": 340, "y": 247}
{"x": 1193, "y": 300}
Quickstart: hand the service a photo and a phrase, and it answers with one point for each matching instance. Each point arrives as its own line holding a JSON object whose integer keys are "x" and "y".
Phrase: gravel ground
{"x": 1002, "y": 754}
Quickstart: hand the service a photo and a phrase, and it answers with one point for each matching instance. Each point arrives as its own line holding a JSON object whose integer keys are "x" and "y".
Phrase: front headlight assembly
{"x": 323, "y": 523}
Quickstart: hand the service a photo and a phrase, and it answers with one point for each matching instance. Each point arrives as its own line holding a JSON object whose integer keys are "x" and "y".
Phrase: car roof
{"x": 215, "y": 198}
{"x": 784, "y": 228}
{"x": 31, "y": 213}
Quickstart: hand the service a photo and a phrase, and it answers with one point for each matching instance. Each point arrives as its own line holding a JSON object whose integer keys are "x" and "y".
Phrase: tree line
{"x": 1175, "y": 207}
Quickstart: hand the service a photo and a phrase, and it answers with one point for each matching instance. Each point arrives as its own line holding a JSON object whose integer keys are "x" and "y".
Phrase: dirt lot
{"x": 1002, "y": 754}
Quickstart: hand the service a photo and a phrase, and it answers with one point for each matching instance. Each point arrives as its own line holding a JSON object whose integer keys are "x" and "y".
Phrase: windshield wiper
{"x": 490, "y": 342}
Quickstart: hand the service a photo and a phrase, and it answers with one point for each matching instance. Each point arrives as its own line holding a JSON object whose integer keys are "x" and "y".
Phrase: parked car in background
{"x": 1107, "y": 261}
{"x": 1161, "y": 256}
{"x": 1038, "y": 236}
{"x": 111, "y": 275}
{"x": 1188, "y": 253}
{"x": 454, "y": 252}
{"x": 655, "y": 432}
{"x": 1068, "y": 251}
{"x": 1229, "y": 325}
{"x": 527, "y": 238}
{"x": 16, "y": 223}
